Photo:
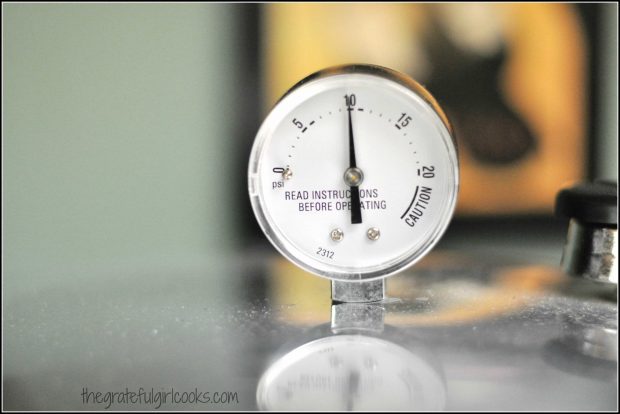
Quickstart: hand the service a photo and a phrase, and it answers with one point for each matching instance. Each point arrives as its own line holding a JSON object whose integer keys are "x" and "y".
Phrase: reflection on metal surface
{"x": 503, "y": 336}
{"x": 587, "y": 341}
{"x": 475, "y": 296}
{"x": 361, "y": 316}
{"x": 588, "y": 345}
{"x": 464, "y": 291}
{"x": 596, "y": 336}
{"x": 517, "y": 352}
{"x": 351, "y": 372}
{"x": 352, "y": 365}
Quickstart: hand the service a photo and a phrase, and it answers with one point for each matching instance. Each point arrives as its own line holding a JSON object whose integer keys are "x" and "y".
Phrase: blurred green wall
{"x": 606, "y": 153}
{"x": 116, "y": 137}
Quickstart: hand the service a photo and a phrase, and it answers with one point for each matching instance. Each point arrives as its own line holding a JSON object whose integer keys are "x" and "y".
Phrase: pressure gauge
{"x": 353, "y": 175}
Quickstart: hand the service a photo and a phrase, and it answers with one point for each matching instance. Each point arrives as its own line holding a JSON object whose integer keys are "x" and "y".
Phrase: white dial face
{"x": 353, "y": 176}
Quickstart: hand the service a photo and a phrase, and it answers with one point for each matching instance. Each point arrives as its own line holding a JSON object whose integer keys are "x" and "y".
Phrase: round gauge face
{"x": 354, "y": 173}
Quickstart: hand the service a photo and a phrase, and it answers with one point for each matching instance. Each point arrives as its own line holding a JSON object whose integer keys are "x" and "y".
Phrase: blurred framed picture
{"x": 513, "y": 79}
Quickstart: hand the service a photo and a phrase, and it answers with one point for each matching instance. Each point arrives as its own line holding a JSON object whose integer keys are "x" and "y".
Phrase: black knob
{"x": 591, "y": 203}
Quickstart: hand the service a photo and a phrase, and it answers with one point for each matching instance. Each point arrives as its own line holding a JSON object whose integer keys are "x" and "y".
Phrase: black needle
{"x": 356, "y": 209}
{"x": 352, "y": 389}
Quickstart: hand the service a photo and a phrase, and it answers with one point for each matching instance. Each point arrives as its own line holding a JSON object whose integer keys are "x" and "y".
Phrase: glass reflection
{"x": 355, "y": 363}
{"x": 587, "y": 347}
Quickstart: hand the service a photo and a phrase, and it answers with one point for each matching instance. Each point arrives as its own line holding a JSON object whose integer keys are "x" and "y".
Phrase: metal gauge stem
{"x": 354, "y": 173}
